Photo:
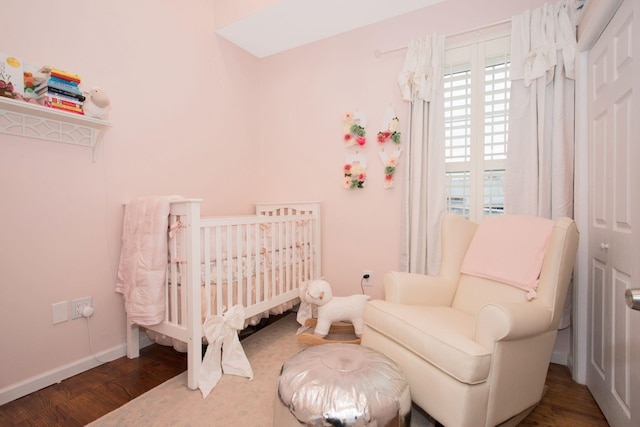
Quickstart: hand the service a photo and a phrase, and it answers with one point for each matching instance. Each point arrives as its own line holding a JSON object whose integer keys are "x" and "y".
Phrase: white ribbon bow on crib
{"x": 222, "y": 332}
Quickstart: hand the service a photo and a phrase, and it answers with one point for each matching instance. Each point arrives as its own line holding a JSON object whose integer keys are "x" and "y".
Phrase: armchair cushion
{"x": 497, "y": 251}
{"x": 418, "y": 289}
{"x": 442, "y": 336}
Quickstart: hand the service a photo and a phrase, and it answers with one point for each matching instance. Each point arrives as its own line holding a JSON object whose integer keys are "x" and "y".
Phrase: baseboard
{"x": 560, "y": 358}
{"x": 57, "y": 375}
{"x": 562, "y": 347}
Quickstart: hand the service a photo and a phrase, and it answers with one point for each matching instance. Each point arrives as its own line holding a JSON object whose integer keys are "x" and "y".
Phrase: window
{"x": 476, "y": 117}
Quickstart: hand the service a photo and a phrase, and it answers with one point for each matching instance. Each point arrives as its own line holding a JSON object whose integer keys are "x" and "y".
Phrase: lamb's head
{"x": 318, "y": 292}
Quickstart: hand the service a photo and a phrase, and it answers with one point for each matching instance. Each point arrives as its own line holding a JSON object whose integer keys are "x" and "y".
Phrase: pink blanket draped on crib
{"x": 143, "y": 259}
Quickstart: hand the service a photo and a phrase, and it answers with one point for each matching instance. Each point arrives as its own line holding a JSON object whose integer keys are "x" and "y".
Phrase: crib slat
{"x": 274, "y": 260}
{"x": 229, "y": 260}
{"x": 267, "y": 261}
{"x": 171, "y": 292}
{"x": 309, "y": 251}
{"x": 237, "y": 255}
{"x": 290, "y": 226}
{"x": 219, "y": 270}
{"x": 291, "y": 250}
{"x": 206, "y": 269}
{"x": 251, "y": 299}
{"x": 253, "y": 263}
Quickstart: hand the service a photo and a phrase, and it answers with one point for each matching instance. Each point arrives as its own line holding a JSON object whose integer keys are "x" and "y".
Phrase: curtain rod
{"x": 378, "y": 53}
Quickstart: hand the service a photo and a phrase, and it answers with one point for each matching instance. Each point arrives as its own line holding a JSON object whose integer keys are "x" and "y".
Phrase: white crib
{"x": 257, "y": 261}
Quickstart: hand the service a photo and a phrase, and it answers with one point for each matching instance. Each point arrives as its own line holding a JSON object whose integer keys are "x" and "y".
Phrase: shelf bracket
{"x": 35, "y": 121}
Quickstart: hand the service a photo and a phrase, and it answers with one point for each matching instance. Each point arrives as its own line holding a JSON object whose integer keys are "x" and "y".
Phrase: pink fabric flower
{"x": 383, "y": 136}
{"x": 361, "y": 141}
{"x": 347, "y": 168}
{"x": 393, "y": 161}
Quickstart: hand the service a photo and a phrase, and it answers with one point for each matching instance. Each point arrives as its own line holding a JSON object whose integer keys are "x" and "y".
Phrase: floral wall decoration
{"x": 389, "y": 159}
{"x": 390, "y": 162}
{"x": 355, "y": 171}
{"x": 355, "y": 137}
{"x": 355, "y": 133}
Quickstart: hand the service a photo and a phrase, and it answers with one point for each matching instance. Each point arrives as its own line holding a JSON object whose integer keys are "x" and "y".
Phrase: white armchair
{"x": 475, "y": 350}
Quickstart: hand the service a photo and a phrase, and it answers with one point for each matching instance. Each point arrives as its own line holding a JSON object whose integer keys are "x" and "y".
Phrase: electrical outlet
{"x": 77, "y": 305}
{"x": 366, "y": 277}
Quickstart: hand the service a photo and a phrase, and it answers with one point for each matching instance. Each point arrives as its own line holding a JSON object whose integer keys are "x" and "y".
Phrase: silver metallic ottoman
{"x": 341, "y": 385}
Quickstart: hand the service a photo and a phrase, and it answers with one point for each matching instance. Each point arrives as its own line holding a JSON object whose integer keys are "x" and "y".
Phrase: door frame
{"x": 592, "y": 23}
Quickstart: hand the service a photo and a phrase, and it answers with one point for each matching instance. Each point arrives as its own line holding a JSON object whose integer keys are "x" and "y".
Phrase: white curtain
{"x": 421, "y": 83}
{"x": 539, "y": 172}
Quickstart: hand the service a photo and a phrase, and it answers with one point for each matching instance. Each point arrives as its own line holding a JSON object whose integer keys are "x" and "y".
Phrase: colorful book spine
{"x": 58, "y": 88}
{"x": 64, "y": 100}
{"x": 56, "y": 72}
{"x": 77, "y": 96}
{"x": 62, "y": 107}
{"x": 52, "y": 90}
{"x": 63, "y": 81}
{"x": 65, "y": 76}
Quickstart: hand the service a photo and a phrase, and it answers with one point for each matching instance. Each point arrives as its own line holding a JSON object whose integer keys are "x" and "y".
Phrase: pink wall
{"x": 305, "y": 92}
{"x": 178, "y": 128}
{"x": 192, "y": 115}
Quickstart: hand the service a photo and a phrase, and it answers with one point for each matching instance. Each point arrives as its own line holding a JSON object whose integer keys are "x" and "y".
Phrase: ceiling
{"x": 292, "y": 23}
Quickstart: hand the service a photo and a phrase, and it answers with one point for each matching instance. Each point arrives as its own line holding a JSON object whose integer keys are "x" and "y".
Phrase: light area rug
{"x": 235, "y": 401}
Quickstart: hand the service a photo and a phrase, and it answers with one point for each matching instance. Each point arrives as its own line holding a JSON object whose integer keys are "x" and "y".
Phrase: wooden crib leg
{"x": 133, "y": 340}
{"x": 194, "y": 360}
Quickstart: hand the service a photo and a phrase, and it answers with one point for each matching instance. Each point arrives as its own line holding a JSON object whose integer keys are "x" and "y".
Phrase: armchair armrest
{"x": 418, "y": 289}
{"x": 511, "y": 321}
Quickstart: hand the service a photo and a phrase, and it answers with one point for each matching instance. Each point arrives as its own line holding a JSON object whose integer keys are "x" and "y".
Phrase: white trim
{"x": 562, "y": 348}
{"x": 560, "y": 358}
{"x": 580, "y": 215}
{"x": 57, "y": 375}
{"x": 593, "y": 20}
{"x": 592, "y": 23}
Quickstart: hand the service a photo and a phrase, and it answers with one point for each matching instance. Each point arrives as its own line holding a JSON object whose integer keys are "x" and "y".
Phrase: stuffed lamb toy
{"x": 96, "y": 104}
{"x": 334, "y": 309}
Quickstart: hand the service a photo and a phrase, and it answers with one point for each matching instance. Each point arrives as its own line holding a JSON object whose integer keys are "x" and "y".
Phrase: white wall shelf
{"x": 35, "y": 121}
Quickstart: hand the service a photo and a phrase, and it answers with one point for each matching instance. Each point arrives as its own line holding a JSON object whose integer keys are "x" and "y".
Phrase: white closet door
{"x": 613, "y": 363}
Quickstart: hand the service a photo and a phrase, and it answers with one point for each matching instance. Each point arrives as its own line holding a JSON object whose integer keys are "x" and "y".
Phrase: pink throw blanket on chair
{"x": 143, "y": 259}
{"x": 509, "y": 249}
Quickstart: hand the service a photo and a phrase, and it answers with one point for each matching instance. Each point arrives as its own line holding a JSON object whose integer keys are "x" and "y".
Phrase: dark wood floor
{"x": 566, "y": 403}
{"x": 87, "y": 396}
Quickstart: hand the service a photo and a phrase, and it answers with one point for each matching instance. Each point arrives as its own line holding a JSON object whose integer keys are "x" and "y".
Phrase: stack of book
{"x": 60, "y": 90}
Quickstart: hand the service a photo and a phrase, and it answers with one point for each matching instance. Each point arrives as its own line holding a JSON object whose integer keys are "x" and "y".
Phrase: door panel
{"x": 597, "y": 318}
{"x": 614, "y": 160}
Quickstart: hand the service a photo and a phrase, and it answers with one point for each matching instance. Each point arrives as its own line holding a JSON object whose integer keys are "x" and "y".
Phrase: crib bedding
{"x": 141, "y": 265}
{"x": 260, "y": 279}
{"x": 245, "y": 266}
{"x": 249, "y": 291}
{"x": 257, "y": 262}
